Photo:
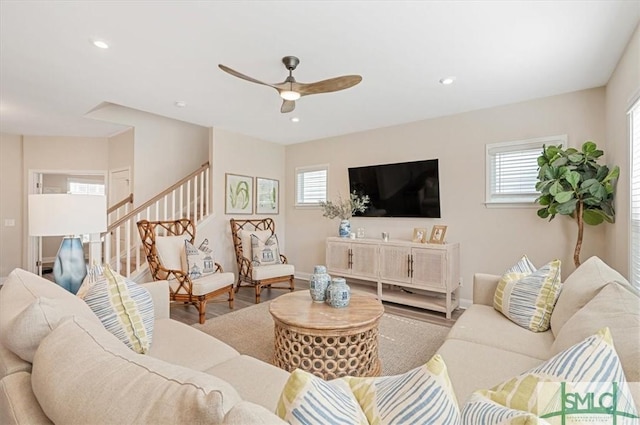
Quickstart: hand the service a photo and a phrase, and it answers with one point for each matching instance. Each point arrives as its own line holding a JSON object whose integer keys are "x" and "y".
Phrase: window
{"x": 634, "y": 260}
{"x": 85, "y": 187}
{"x": 512, "y": 170}
{"x": 311, "y": 185}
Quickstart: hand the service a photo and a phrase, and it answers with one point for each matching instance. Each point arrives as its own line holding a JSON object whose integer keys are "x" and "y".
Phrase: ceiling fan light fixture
{"x": 289, "y": 95}
{"x": 447, "y": 80}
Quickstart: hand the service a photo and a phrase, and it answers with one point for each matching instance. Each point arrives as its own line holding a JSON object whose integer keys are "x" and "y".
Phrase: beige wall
{"x": 165, "y": 150}
{"x": 121, "y": 148}
{"x": 11, "y": 207}
{"x": 238, "y": 154}
{"x": 491, "y": 239}
{"x": 623, "y": 88}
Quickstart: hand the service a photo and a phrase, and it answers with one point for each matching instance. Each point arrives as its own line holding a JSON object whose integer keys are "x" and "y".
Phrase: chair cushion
{"x": 206, "y": 284}
{"x": 265, "y": 252}
{"x": 275, "y": 270}
{"x": 421, "y": 395}
{"x": 199, "y": 263}
{"x": 170, "y": 251}
{"x": 528, "y": 298}
{"x": 124, "y": 308}
{"x": 579, "y": 288}
{"x": 80, "y": 362}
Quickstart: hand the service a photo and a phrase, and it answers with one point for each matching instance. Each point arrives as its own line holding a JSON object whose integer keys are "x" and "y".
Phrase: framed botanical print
{"x": 238, "y": 194}
{"x": 267, "y": 196}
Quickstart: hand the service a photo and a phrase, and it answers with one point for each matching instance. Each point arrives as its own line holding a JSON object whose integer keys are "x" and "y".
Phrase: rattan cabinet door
{"x": 395, "y": 263}
{"x": 364, "y": 260}
{"x": 430, "y": 268}
{"x": 337, "y": 257}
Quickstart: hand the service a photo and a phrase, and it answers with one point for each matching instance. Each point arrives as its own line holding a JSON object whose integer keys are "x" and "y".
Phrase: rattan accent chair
{"x": 181, "y": 286}
{"x": 264, "y": 275}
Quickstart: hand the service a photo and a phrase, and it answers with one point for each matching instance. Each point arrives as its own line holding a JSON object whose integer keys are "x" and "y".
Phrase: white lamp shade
{"x": 66, "y": 214}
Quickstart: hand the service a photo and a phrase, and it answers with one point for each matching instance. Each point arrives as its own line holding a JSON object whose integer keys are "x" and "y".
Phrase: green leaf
{"x": 587, "y": 183}
{"x": 588, "y": 146}
{"x": 573, "y": 177}
{"x": 593, "y": 217}
{"x": 543, "y": 186}
{"x": 563, "y": 197}
{"x": 598, "y": 191}
{"x": 544, "y": 200}
{"x": 576, "y": 157}
{"x": 602, "y": 173}
{"x": 567, "y": 208}
{"x": 570, "y": 151}
{"x": 596, "y": 154}
{"x": 543, "y": 213}
{"x": 613, "y": 174}
{"x": 560, "y": 161}
{"x": 555, "y": 188}
{"x": 549, "y": 174}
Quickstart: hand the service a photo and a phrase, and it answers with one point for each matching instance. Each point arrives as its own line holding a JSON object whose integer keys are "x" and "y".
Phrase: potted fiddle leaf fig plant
{"x": 571, "y": 182}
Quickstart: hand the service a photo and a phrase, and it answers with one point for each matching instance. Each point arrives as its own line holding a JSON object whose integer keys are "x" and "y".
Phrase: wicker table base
{"x": 328, "y": 342}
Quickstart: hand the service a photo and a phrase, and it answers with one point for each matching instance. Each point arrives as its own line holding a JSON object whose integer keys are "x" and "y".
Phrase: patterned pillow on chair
{"x": 264, "y": 252}
{"x": 199, "y": 262}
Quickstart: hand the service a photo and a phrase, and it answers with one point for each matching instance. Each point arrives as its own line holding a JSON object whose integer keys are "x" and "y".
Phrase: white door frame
{"x": 111, "y": 173}
{"x": 34, "y": 243}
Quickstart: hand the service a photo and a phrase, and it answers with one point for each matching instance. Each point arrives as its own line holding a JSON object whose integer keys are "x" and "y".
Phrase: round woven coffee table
{"x": 326, "y": 341}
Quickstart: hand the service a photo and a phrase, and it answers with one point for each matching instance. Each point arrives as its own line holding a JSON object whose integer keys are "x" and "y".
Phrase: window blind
{"x": 311, "y": 185}
{"x": 634, "y": 261}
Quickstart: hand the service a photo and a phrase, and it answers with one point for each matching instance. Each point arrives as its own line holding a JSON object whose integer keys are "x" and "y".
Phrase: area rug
{"x": 403, "y": 343}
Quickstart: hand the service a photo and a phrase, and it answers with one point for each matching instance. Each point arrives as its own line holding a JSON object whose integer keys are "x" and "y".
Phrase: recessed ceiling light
{"x": 447, "y": 80}
{"x": 100, "y": 43}
{"x": 295, "y": 119}
{"x": 180, "y": 104}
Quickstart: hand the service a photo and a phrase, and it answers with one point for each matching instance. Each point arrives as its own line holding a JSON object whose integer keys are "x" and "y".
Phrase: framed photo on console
{"x": 419, "y": 235}
{"x": 238, "y": 194}
{"x": 437, "y": 234}
{"x": 267, "y": 196}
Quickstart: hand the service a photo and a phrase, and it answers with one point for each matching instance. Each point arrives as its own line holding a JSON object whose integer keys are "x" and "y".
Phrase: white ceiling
{"x": 161, "y": 52}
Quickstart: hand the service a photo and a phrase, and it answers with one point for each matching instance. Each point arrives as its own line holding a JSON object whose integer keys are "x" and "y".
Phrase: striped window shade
{"x": 311, "y": 185}
{"x": 512, "y": 170}
{"x": 634, "y": 260}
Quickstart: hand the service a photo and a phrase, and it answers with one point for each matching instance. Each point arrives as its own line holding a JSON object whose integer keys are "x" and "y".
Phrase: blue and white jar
{"x": 318, "y": 284}
{"x": 338, "y": 293}
{"x": 345, "y": 229}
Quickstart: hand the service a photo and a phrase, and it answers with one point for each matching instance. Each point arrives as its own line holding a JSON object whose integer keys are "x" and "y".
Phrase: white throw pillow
{"x": 171, "y": 251}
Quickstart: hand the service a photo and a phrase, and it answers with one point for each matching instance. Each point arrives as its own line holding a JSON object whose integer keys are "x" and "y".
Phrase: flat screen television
{"x": 405, "y": 189}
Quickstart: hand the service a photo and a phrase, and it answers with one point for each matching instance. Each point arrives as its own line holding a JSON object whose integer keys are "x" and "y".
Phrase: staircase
{"x": 120, "y": 244}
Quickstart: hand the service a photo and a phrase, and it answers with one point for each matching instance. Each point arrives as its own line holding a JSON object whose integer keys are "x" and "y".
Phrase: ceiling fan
{"x": 290, "y": 90}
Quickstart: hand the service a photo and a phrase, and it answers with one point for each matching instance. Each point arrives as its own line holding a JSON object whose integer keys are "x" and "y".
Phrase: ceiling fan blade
{"x": 330, "y": 85}
{"x": 244, "y": 77}
{"x": 287, "y": 106}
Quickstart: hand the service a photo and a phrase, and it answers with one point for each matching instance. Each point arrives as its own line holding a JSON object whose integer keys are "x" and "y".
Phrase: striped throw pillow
{"x": 527, "y": 296}
{"x": 591, "y": 365}
{"x": 481, "y": 410}
{"x": 423, "y": 395}
{"x": 307, "y": 399}
{"x": 124, "y": 308}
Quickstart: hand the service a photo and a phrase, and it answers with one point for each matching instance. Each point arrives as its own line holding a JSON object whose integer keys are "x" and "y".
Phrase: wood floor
{"x": 245, "y": 298}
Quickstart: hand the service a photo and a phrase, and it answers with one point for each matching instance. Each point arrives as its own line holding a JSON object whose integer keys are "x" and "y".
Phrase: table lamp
{"x": 69, "y": 216}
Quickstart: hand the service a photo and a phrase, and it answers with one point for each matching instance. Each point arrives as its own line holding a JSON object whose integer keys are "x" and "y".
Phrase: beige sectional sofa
{"x": 81, "y": 374}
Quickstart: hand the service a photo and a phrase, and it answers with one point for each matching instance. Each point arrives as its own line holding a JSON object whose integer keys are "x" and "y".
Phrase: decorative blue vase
{"x": 345, "y": 229}
{"x": 318, "y": 283}
{"x": 69, "y": 268}
{"x": 338, "y": 293}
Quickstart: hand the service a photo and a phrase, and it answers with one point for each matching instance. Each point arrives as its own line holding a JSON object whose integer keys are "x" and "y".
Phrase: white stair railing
{"x": 189, "y": 197}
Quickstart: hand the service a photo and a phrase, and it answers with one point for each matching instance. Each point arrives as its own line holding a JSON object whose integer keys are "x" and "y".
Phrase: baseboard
{"x": 302, "y": 275}
{"x": 464, "y": 303}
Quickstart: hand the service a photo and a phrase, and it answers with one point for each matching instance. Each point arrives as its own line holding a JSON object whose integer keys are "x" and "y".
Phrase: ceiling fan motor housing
{"x": 290, "y": 62}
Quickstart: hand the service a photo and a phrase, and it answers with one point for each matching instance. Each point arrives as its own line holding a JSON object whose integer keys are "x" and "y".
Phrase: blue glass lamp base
{"x": 69, "y": 269}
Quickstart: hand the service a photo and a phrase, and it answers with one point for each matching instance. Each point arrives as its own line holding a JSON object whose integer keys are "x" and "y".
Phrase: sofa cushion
{"x": 472, "y": 366}
{"x": 307, "y": 399}
{"x": 484, "y": 325}
{"x": 264, "y": 252}
{"x": 124, "y": 308}
{"x": 11, "y": 363}
{"x": 579, "y": 288}
{"x": 421, "y": 395}
{"x": 591, "y": 364}
{"x": 35, "y": 322}
{"x": 482, "y": 410}
{"x": 183, "y": 345}
{"x": 528, "y": 298}
{"x": 79, "y": 360}
{"x": 616, "y": 306}
{"x": 18, "y": 404}
{"x": 199, "y": 263}
{"x": 247, "y": 413}
{"x": 241, "y": 372}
